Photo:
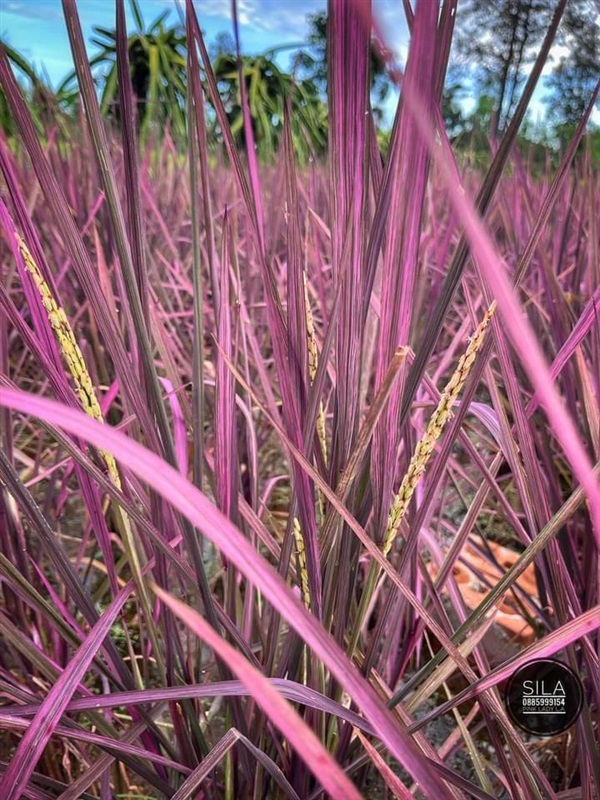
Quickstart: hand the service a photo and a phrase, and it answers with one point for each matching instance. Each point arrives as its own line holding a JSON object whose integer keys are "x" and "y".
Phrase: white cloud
{"x": 48, "y": 10}
{"x": 263, "y": 15}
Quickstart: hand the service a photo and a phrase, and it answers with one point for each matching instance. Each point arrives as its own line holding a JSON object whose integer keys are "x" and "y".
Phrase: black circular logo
{"x": 544, "y": 697}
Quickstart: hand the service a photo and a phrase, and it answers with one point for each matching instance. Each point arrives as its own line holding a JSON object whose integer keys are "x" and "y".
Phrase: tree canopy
{"x": 493, "y": 49}
{"x": 573, "y": 80}
{"x": 157, "y": 63}
{"x": 495, "y": 44}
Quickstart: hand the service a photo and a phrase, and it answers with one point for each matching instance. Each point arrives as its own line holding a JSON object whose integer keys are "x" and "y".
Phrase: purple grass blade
{"x": 581, "y": 329}
{"x": 409, "y": 166}
{"x": 30, "y": 747}
{"x": 294, "y": 692}
{"x": 179, "y": 429}
{"x": 249, "y": 134}
{"x": 73, "y": 242}
{"x": 524, "y": 341}
{"x": 348, "y": 105}
{"x": 217, "y": 754}
{"x": 137, "y": 237}
{"x": 226, "y": 440}
{"x": 197, "y": 143}
{"x": 392, "y": 781}
{"x": 167, "y": 481}
{"x": 300, "y": 736}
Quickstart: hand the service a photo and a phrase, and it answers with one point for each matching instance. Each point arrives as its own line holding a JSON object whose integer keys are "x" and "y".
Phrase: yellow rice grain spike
{"x": 313, "y": 363}
{"x": 434, "y": 430}
{"x": 70, "y": 350}
{"x": 85, "y": 390}
{"x": 304, "y": 586}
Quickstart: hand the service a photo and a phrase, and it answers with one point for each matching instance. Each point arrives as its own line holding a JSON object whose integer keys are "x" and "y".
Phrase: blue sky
{"x": 36, "y": 28}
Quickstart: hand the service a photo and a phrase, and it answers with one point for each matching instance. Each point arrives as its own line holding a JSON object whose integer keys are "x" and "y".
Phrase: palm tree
{"x": 268, "y": 89}
{"x": 158, "y": 73}
{"x": 157, "y": 60}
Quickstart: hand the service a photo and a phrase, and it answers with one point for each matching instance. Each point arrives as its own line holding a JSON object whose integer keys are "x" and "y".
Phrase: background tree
{"x": 158, "y": 72}
{"x": 495, "y": 42}
{"x": 453, "y": 112}
{"x": 572, "y": 82}
{"x": 157, "y": 58}
{"x": 268, "y": 89}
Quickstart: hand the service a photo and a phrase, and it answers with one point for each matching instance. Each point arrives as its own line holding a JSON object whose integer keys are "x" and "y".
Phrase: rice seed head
{"x": 304, "y": 585}
{"x": 71, "y": 352}
{"x": 434, "y": 430}
{"x": 77, "y": 367}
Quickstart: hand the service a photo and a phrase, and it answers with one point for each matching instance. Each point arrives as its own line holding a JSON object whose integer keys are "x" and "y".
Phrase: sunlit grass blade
{"x": 30, "y": 747}
{"x": 229, "y": 740}
{"x": 282, "y": 714}
{"x": 482, "y": 204}
{"x": 165, "y": 479}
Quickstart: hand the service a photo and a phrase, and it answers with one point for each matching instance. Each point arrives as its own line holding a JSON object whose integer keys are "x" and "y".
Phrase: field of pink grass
{"x": 258, "y": 421}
